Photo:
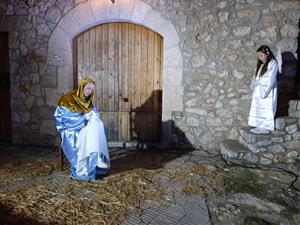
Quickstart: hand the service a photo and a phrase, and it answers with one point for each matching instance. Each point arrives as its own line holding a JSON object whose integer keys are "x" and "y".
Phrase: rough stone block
{"x": 295, "y": 114}
{"x": 293, "y": 105}
{"x": 155, "y": 21}
{"x": 228, "y": 153}
{"x": 232, "y": 149}
{"x": 60, "y": 40}
{"x": 244, "y": 135}
{"x": 59, "y": 57}
{"x": 251, "y": 157}
{"x": 291, "y": 129}
{"x": 174, "y": 77}
{"x": 256, "y": 149}
{"x": 172, "y": 57}
{"x": 268, "y": 155}
{"x": 292, "y": 145}
{"x": 242, "y": 31}
{"x": 69, "y": 25}
{"x": 296, "y": 136}
{"x": 277, "y": 139}
{"x": 264, "y": 139}
{"x": 276, "y": 148}
{"x": 262, "y": 143}
{"x": 84, "y": 15}
{"x": 287, "y": 137}
{"x": 172, "y": 98}
{"x": 290, "y": 120}
{"x": 139, "y": 12}
{"x": 293, "y": 155}
{"x": 170, "y": 36}
{"x": 126, "y": 9}
{"x": 279, "y": 123}
{"x": 265, "y": 161}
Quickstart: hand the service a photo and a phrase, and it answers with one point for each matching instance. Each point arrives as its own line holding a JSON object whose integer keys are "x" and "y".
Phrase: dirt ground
{"x": 34, "y": 191}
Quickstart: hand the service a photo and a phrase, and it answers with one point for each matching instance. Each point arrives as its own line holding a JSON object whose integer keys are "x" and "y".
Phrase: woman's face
{"x": 88, "y": 89}
{"x": 262, "y": 56}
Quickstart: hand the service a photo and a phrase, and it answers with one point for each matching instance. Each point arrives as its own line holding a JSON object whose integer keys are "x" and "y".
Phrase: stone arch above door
{"x": 94, "y": 12}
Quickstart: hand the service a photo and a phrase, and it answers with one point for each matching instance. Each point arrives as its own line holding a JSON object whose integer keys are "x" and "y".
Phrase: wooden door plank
{"x": 80, "y": 55}
{"x": 105, "y": 54}
{"x": 92, "y": 56}
{"x": 99, "y": 68}
{"x": 137, "y": 67}
{"x": 150, "y": 85}
{"x": 117, "y": 63}
{"x": 131, "y": 79}
{"x": 157, "y": 74}
{"x": 144, "y": 70}
{"x": 150, "y": 73}
{"x": 86, "y": 54}
{"x": 111, "y": 62}
{"x": 105, "y": 120}
{"x": 124, "y": 74}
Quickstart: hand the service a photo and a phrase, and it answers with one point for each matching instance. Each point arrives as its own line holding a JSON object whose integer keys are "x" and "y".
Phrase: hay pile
{"x": 34, "y": 191}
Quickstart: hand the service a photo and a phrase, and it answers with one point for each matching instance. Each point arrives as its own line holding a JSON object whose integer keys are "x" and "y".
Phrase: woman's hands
{"x": 88, "y": 115}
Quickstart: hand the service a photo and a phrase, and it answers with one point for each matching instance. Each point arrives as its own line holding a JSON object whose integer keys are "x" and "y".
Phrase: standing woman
{"x": 82, "y": 133}
{"x": 264, "y": 100}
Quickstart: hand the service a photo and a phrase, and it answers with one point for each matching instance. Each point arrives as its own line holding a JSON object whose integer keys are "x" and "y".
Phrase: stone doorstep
{"x": 251, "y": 138}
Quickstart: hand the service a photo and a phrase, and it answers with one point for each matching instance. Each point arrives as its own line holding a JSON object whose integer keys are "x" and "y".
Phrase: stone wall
{"x": 217, "y": 40}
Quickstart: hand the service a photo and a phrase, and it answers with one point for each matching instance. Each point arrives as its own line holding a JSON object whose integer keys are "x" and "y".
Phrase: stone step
{"x": 232, "y": 149}
{"x": 235, "y": 152}
{"x": 264, "y": 142}
{"x": 294, "y": 108}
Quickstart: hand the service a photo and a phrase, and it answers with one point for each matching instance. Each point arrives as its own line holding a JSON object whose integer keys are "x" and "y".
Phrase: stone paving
{"x": 181, "y": 210}
{"x": 251, "y": 195}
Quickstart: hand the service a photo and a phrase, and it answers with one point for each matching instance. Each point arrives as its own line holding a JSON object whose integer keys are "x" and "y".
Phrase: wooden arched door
{"x": 125, "y": 60}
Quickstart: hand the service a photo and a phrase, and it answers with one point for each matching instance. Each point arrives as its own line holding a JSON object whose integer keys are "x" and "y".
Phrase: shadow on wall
{"x": 146, "y": 129}
{"x": 146, "y": 126}
{"x": 297, "y": 86}
{"x": 287, "y": 83}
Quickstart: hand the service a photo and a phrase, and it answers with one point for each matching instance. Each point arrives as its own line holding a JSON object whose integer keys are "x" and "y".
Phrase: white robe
{"x": 91, "y": 139}
{"x": 264, "y": 100}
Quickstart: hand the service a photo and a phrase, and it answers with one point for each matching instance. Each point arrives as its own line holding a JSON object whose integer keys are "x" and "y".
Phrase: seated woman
{"x": 82, "y": 133}
{"x": 264, "y": 100}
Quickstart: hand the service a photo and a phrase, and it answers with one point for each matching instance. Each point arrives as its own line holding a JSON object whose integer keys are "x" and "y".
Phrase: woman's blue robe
{"x": 69, "y": 125}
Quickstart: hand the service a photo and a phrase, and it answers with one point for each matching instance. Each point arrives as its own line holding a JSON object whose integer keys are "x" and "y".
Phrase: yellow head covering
{"x": 75, "y": 100}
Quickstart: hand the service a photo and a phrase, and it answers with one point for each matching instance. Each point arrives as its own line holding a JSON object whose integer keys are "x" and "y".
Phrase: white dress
{"x": 91, "y": 139}
{"x": 264, "y": 100}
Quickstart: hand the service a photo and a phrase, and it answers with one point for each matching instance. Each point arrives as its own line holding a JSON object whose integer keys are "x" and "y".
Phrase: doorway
{"x": 5, "y": 125}
{"x": 125, "y": 60}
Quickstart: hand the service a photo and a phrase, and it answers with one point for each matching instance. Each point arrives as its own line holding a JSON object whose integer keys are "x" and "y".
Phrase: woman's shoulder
{"x": 272, "y": 62}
